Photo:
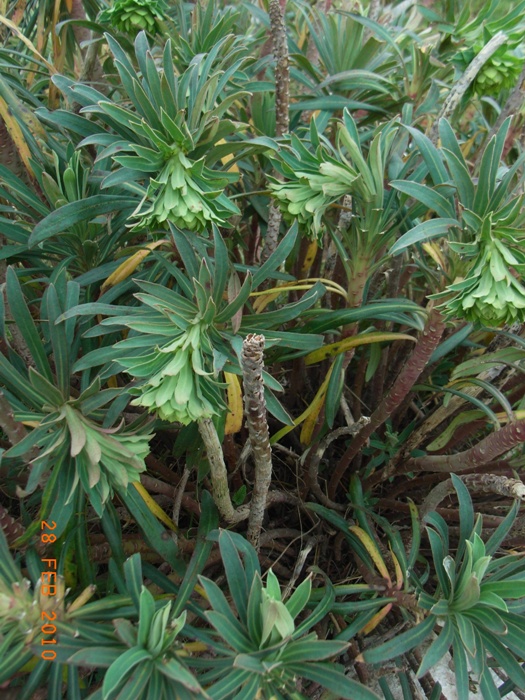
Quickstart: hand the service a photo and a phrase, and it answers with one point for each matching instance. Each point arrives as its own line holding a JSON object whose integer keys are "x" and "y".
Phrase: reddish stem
{"x": 408, "y": 376}
{"x": 494, "y": 445}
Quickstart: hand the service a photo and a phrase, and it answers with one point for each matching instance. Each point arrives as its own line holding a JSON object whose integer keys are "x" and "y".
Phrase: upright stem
{"x": 405, "y": 381}
{"x": 255, "y": 410}
{"x": 462, "y": 85}
{"x": 282, "y": 66}
{"x": 282, "y": 102}
{"x": 511, "y": 107}
{"x": 218, "y": 472}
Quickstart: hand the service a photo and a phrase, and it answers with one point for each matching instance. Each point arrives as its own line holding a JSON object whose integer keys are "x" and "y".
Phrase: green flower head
{"x": 490, "y": 294}
{"x": 179, "y": 389}
{"x": 133, "y": 16}
{"x": 104, "y": 459}
{"x": 21, "y": 609}
{"x": 499, "y": 72}
{"x": 186, "y": 193}
{"x": 315, "y": 174}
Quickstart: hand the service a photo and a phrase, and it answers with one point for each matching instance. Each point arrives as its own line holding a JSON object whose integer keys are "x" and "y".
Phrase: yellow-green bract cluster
{"x": 186, "y": 193}
{"x": 490, "y": 294}
{"x": 103, "y": 461}
{"x": 314, "y": 181}
{"x": 178, "y": 391}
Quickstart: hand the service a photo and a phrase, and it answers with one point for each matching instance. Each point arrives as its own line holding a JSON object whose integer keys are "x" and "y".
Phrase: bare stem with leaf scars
{"x": 256, "y": 417}
{"x": 282, "y": 103}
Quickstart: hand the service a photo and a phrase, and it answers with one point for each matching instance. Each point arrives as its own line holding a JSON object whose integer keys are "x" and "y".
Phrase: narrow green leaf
{"x": 430, "y": 198}
{"x": 12, "y": 659}
{"x": 437, "y": 649}
{"x": 24, "y": 321}
{"x": 217, "y": 599}
{"x": 121, "y": 668}
{"x": 253, "y": 614}
{"x": 461, "y": 668}
{"x": 146, "y": 613}
{"x": 137, "y": 682}
{"x": 277, "y": 258}
{"x": 506, "y": 589}
{"x": 425, "y": 231}
{"x": 232, "y": 634}
{"x": 75, "y": 212}
{"x": 299, "y": 598}
{"x": 236, "y": 304}
{"x": 487, "y": 685}
{"x": 235, "y": 573}
{"x": 220, "y": 276}
{"x": 208, "y": 521}
{"x": 229, "y": 684}
{"x": 320, "y": 611}
{"x": 467, "y": 633}
{"x": 499, "y": 534}
{"x": 331, "y": 677}
{"x": 466, "y": 514}
{"x": 154, "y": 534}
{"x": 334, "y": 390}
{"x": 175, "y": 671}
{"x": 312, "y": 649}
{"x": 401, "y": 643}
{"x": 431, "y": 156}
{"x": 98, "y": 657}
{"x": 461, "y": 176}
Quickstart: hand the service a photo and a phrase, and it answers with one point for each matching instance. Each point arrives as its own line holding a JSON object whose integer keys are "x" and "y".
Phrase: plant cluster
{"x": 262, "y": 414}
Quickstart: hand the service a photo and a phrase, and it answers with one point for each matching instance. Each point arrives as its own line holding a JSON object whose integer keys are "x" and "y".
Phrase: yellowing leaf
{"x": 234, "y": 168}
{"x": 16, "y": 31}
{"x": 30, "y": 665}
{"x": 309, "y": 258}
{"x": 315, "y": 409}
{"x": 154, "y": 507}
{"x": 112, "y": 382}
{"x": 268, "y": 295}
{"x": 373, "y": 623}
{"x": 372, "y": 548}
{"x": 261, "y": 302}
{"x": 302, "y": 37}
{"x": 82, "y": 599}
{"x": 235, "y": 408}
{"x": 398, "y": 570}
{"x": 432, "y": 248}
{"x": 466, "y": 147}
{"x": 16, "y": 134}
{"x": 70, "y": 569}
{"x": 17, "y": 15}
{"x": 193, "y": 647}
{"x": 352, "y": 342}
{"x": 442, "y": 439}
{"x": 129, "y": 266}
{"x": 319, "y": 398}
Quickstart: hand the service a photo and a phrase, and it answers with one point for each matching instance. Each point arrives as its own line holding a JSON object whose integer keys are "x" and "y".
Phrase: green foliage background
{"x": 344, "y": 181}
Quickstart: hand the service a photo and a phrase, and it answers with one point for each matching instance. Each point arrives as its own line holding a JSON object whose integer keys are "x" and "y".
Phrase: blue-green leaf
{"x": 425, "y": 231}
{"x": 75, "y": 212}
